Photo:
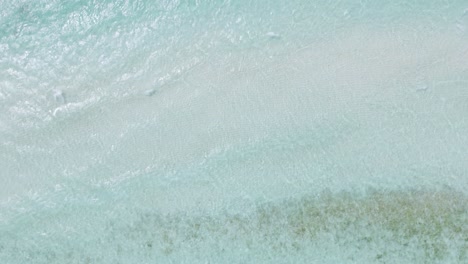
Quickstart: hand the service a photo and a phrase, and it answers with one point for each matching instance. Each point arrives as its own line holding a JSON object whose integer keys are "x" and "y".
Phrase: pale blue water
{"x": 233, "y": 131}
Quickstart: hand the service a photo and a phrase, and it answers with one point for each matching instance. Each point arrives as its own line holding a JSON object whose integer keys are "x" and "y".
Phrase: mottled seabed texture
{"x": 233, "y": 131}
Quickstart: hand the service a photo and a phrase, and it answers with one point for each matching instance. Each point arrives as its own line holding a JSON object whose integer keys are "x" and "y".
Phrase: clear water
{"x": 233, "y": 131}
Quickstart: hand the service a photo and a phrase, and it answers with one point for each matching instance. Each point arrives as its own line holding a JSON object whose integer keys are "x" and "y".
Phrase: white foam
{"x": 74, "y": 106}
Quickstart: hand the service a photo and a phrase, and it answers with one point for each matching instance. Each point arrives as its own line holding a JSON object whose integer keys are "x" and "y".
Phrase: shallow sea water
{"x": 233, "y": 131}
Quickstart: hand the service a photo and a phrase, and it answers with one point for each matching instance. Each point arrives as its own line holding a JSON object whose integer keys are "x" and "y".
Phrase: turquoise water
{"x": 233, "y": 131}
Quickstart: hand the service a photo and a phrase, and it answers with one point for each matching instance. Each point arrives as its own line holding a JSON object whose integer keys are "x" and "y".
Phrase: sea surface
{"x": 222, "y": 131}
